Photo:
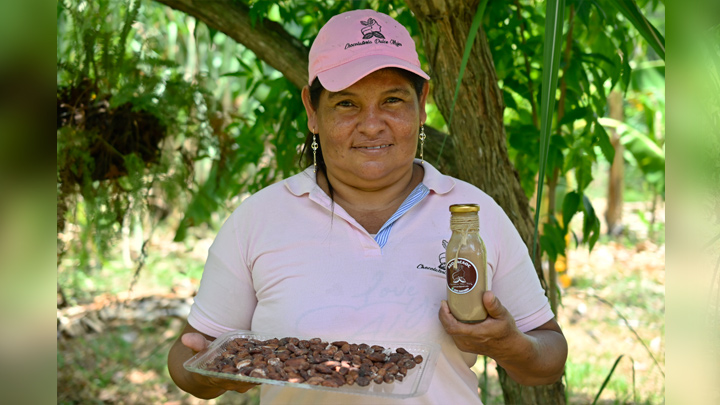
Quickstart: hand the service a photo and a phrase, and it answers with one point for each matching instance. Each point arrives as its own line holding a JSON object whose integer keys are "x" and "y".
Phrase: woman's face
{"x": 369, "y": 131}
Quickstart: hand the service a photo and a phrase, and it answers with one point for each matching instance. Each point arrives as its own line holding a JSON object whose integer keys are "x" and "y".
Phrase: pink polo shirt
{"x": 288, "y": 262}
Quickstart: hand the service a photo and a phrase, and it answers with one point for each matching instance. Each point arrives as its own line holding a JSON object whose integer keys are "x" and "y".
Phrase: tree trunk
{"x": 613, "y": 214}
{"x": 514, "y": 393}
{"x": 480, "y": 150}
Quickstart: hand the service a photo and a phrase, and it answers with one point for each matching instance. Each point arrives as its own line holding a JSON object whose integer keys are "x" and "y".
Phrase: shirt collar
{"x": 304, "y": 182}
{"x": 434, "y": 180}
{"x": 301, "y": 183}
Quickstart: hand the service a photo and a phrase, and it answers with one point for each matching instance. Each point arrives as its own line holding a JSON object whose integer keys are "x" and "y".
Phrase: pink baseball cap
{"x": 356, "y": 43}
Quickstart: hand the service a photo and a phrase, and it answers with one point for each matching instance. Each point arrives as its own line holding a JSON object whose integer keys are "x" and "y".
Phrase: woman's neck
{"x": 372, "y": 207}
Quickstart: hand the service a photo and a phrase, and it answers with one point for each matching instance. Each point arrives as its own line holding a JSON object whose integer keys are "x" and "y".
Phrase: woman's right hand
{"x": 197, "y": 342}
{"x": 190, "y": 343}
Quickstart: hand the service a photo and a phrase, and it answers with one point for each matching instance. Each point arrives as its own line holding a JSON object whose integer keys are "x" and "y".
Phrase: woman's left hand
{"x": 533, "y": 358}
{"x": 495, "y": 337}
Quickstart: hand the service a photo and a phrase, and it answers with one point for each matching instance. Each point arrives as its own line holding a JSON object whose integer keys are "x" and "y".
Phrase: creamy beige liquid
{"x": 466, "y": 268}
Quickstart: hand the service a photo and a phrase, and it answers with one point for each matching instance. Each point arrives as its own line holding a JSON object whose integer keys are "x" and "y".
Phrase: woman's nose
{"x": 371, "y": 121}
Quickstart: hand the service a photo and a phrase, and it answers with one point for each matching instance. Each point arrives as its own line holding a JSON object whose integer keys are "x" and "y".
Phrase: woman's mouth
{"x": 372, "y": 147}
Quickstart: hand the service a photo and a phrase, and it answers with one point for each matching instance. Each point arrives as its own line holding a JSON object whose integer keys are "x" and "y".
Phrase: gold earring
{"x": 314, "y": 147}
{"x": 422, "y": 142}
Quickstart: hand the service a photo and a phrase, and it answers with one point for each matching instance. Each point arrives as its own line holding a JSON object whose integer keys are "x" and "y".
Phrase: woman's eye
{"x": 344, "y": 104}
{"x": 393, "y": 100}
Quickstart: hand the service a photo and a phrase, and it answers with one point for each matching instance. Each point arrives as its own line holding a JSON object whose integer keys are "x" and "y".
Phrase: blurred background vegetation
{"x": 165, "y": 124}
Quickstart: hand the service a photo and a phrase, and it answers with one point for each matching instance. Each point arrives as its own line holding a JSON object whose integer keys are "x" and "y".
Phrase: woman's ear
{"x": 311, "y": 112}
{"x": 423, "y": 99}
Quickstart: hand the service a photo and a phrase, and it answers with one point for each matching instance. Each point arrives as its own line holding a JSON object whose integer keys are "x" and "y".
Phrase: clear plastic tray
{"x": 415, "y": 383}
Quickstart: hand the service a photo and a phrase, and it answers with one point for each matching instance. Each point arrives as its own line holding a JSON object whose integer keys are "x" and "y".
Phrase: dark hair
{"x": 316, "y": 89}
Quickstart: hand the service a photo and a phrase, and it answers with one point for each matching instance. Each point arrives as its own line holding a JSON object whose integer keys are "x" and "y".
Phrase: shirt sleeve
{"x": 515, "y": 281}
{"x": 226, "y": 298}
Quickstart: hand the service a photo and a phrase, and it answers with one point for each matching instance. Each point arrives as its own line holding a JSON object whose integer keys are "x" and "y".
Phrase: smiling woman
{"x": 348, "y": 248}
{"x": 368, "y": 136}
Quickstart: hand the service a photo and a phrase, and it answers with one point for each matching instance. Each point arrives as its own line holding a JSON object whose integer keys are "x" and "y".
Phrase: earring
{"x": 422, "y": 142}
{"x": 314, "y": 147}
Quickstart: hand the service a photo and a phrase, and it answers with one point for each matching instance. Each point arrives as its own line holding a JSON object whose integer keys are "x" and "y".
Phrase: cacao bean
{"x": 258, "y": 373}
{"x": 363, "y": 381}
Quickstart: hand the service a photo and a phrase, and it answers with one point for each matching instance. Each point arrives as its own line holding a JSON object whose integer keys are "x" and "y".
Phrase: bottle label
{"x": 464, "y": 278}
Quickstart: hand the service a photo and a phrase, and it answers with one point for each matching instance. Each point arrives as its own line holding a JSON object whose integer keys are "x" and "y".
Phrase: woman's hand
{"x": 191, "y": 342}
{"x": 533, "y": 358}
{"x": 496, "y": 336}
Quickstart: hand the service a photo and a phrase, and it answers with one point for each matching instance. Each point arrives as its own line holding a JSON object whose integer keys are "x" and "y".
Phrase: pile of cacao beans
{"x": 314, "y": 361}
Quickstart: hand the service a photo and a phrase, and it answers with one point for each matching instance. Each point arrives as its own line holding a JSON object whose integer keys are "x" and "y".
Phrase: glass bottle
{"x": 466, "y": 265}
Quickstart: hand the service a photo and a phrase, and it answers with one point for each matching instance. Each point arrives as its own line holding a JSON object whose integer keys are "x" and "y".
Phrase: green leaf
{"x": 626, "y": 74}
{"x": 582, "y": 10}
{"x": 546, "y": 242}
{"x": 555, "y": 157}
{"x": 571, "y": 204}
{"x": 574, "y": 74}
{"x": 573, "y": 115}
{"x": 575, "y": 238}
{"x": 583, "y": 170}
{"x": 518, "y": 88}
{"x": 603, "y": 140}
{"x": 523, "y": 138}
{"x": 509, "y": 100}
{"x": 591, "y": 223}
{"x": 213, "y": 33}
{"x": 595, "y": 235}
{"x": 607, "y": 379}
{"x": 553, "y": 239}
{"x": 474, "y": 27}
{"x": 630, "y": 10}
{"x": 238, "y": 73}
{"x": 243, "y": 64}
{"x": 554, "y": 18}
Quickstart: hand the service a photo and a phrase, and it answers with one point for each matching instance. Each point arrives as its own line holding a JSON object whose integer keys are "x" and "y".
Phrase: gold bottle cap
{"x": 464, "y": 208}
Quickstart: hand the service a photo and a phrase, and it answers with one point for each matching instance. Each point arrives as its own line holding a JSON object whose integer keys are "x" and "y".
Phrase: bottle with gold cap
{"x": 466, "y": 265}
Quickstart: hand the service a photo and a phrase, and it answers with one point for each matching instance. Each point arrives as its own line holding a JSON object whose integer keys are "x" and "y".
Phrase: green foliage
{"x": 220, "y": 131}
{"x": 130, "y": 126}
{"x": 630, "y": 10}
{"x": 596, "y": 55}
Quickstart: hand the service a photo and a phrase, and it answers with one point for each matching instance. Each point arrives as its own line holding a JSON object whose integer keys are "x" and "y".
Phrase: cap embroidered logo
{"x": 371, "y": 29}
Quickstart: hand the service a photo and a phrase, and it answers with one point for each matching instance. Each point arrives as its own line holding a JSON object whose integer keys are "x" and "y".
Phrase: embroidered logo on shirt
{"x": 441, "y": 261}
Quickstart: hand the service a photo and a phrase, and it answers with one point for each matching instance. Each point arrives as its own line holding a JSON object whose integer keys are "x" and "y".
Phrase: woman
{"x": 353, "y": 246}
